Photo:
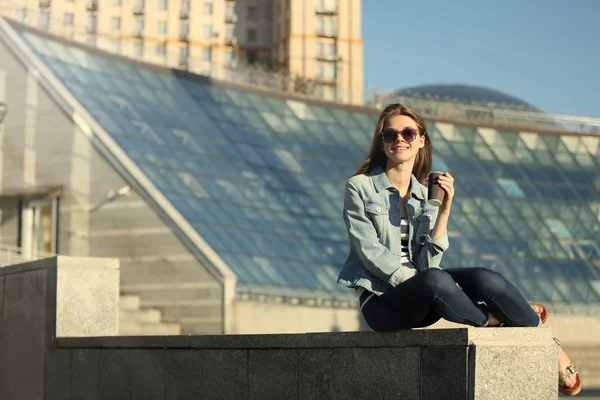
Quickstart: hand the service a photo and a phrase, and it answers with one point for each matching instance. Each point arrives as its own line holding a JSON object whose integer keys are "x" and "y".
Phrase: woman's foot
{"x": 541, "y": 311}
{"x": 569, "y": 382}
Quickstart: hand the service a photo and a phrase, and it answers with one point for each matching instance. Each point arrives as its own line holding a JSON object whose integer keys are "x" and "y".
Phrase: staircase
{"x": 194, "y": 306}
{"x": 587, "y": 360}
{"x": 136, "y": 321}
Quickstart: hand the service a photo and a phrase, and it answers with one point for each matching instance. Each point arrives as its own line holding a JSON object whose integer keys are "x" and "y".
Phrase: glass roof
{"x": 261, "y": 178}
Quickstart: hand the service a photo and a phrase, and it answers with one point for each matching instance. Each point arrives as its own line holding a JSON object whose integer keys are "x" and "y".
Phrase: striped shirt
{"x": 404, "y": 256}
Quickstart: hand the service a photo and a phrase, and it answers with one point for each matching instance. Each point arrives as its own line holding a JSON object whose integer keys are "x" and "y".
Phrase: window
{"x": 251, "y": 35}
{"x": 44, "y": 21}
{"x": 251, "y": 56}
{"x": 184, "y": 31}
{"x": 117, "y": 2}
{"x": 207, "y": 54}
{"x": 228, "y": 55}
{"x": 161, "y": 27}
{"x": 138, "y": 49}
{"x": 115, "y": 23}
{"x": 320, "y": 70}
{"x": 161, "y": 49}
{"x": 183, "y": 56}
{"x": 330, "y": 27}
{"x": 320, "y": 25}
{"x": 91, "y": 24}
{"x": 320, "y": 49}
{"x": 162, "y": 4}
{"x": 230, "y": 11}
{"x": 38, "y": 227}
{"x": 207, "y": 8}
{"x": 331, "y": 49}
{"x": 115, "y": 45}
{"x": 229, "y": 33}
{"x": 68, "y": 19}
{"x": 207, "y": 30}
{"x": 331, "y": 71}
{"x": 138, "y": 27}
{"x": 252, "y": 13}
{"x": 330, "y": 94}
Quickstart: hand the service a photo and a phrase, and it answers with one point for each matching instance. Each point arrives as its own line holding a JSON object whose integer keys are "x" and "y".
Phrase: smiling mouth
{"x": 399, "y": 148}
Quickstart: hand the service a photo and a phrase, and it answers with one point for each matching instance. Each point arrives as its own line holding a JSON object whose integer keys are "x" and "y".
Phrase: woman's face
{"x": 402, "y": 150}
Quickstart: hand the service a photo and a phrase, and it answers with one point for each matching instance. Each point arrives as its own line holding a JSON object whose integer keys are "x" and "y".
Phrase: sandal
{"x": 544, "y": 314}
{"x": 566, "y": 374}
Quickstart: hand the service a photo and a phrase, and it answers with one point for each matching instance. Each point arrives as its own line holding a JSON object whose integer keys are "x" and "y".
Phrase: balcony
{"x": 92, "y": 5}
{"x": 326, "y": 80}
{"x": 329, "y": 58}
{"x": 232, "y": 41}
{"x": 325, "y": 11}
{"x": 184, "y": 35}
{"x": 231, "y": 19}
{"x": 184, "y": 62}
{"x": 331, "y": 34}
{"x": 184, "y": 14}
{"x": 138, "y": 9}
{"x": 45, "y": 3}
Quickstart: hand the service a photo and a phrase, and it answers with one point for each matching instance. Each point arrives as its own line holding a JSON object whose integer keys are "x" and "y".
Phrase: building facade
{"x": 314, "y": 45}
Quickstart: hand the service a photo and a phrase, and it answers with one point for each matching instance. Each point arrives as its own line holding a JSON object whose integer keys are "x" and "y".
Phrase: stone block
{"x": 87, "y": 297}
{"x": 376, "y": 373}
{"x": 24, "y": 340}
{"x": 58, "y": 376}
{"x": 273, "y": 374}
{"x": 444, "y": 373}
{"x": 512, "y": 363}
{"x": 85, "y": 374}
{"x": 147, "y": 374}
{"x": 206, "y": 374}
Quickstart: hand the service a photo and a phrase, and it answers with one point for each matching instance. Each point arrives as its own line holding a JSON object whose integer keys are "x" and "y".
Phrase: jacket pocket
{"x": 378, "y": 213}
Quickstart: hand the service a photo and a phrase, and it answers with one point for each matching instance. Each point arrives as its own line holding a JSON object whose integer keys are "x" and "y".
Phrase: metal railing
{"x": 498, "y": 114}
{"x": 11, "y": 255}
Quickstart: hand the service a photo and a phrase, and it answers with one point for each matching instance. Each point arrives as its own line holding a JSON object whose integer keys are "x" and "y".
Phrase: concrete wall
{"x": 41, "y": 146}
{"x": 256, "y": 317}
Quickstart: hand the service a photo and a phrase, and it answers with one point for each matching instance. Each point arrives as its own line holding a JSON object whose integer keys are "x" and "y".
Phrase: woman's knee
{"x": 488, "y": 278}
{"x": 437, "y": 280}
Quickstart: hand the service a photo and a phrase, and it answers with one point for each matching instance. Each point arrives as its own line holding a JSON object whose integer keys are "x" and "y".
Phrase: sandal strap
{"x": 566, "y": 374}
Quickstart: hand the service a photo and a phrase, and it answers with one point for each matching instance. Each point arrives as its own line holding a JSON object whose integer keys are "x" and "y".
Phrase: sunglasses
{"x": 390, "y": 135}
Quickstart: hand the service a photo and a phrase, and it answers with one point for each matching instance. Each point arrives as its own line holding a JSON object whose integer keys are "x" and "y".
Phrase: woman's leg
{"x": 502, "y": 298}
{"x": 409, "y": 304}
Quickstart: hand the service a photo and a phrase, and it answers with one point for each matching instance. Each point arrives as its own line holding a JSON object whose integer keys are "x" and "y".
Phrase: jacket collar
{"x": 381, "y": 182}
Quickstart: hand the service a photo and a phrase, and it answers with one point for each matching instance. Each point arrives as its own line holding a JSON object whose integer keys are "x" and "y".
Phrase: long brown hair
{"x": 377, "y": 156}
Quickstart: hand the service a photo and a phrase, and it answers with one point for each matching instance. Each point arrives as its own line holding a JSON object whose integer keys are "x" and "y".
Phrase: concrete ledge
{"x": 465, "y": 363}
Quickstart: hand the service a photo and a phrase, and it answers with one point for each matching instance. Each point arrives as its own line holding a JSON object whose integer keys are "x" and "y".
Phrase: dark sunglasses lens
{"x": 409, "y": 134}
{"x": 389, "y": 136}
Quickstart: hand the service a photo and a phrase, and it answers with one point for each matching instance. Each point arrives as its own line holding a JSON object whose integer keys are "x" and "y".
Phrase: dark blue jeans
{"x": 432, "y": 294}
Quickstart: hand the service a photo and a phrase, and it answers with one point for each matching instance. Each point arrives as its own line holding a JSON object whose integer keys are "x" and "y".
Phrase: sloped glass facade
{"x": 261, "y": 177}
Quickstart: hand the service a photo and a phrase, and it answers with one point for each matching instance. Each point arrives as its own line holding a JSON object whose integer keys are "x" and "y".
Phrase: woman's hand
{"x": 446, "y": 181}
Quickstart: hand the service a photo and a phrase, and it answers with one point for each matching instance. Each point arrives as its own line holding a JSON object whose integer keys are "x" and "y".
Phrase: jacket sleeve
{"x": 430, "y": 252}
{"x": 364, "y": 239}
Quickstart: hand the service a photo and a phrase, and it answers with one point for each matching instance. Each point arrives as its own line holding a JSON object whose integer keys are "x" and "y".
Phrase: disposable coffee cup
{"x": 436, "y": 194}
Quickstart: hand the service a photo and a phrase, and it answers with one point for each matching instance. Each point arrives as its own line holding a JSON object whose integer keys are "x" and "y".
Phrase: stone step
{"x": 129, "y": 302}
{"x": 142, "y": 315}
{"x": 201, "y": 325}
{"x": 175, "y": 291}
{"x": 175, "y": 311}
{"x": 136, "y": 328}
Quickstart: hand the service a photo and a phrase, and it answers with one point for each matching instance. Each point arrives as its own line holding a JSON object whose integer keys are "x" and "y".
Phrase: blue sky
{"x": 546, "y": 52}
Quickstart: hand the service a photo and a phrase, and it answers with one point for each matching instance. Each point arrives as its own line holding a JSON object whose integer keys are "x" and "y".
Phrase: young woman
{"x": 397, "y": 242}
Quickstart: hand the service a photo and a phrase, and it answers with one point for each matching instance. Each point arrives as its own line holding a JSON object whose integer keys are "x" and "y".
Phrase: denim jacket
{"x": 372, "y": 216}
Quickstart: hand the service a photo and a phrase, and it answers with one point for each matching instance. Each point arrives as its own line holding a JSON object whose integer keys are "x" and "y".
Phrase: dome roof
{"x": 465, "y": 94}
